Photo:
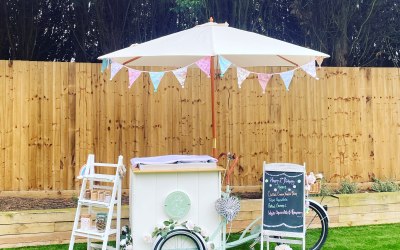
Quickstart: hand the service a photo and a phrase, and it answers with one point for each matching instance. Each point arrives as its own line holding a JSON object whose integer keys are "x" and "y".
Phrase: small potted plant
{"x": 126, "y": 238}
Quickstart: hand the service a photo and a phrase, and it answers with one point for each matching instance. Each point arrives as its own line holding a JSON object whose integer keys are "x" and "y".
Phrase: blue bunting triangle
{"x": 156, "y": 79}
{"x": 223, "y": 64}
{"x": 287, "y": 78}
{"x": 104, "y": 65}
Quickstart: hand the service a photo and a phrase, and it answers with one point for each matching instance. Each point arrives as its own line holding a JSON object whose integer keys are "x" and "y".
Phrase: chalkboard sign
{"x": 283, "y": 198}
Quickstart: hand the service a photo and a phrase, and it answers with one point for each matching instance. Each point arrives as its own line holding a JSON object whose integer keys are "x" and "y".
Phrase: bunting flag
{"x": 133, "y": 75}
{"x": 242, "y": 74}
{"x": 204, "y": 65}
{"x": 287, "y": 78}
{"x": 263, "y": 79}
{"x": 156, "y": 79}
{"x": 319, "y": 60}
{"x": 104, "y": 65}
{"x": 309, "y": 68}
{"x": 180, "y": 75}
{"x": 115, "y": 67}
{"x": 223, "y": 64}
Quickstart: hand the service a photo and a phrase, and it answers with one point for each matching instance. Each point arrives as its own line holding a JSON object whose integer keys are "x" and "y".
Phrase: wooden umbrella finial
{"x": 211, "y": 19}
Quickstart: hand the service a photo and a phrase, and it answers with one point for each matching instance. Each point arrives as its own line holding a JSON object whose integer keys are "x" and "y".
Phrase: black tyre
{"x": 316, "y": 226}
{"x": 180, "y": 239}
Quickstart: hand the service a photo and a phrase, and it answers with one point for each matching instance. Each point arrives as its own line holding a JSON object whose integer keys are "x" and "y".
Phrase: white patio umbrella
{"x": 242, "y": 48}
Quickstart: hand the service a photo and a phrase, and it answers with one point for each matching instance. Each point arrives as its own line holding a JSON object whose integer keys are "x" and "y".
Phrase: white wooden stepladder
{"x": 92, "y": 178}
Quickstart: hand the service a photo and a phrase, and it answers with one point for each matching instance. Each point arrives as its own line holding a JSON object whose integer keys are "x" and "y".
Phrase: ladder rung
{"x": 100, "y": 177}
{"x": 98, "y": 164}
{"x": 96, "y": 203}
{"x": 93, "y": 233}
{"x": 95, "y": 245}
{"x": 102, "y": 187}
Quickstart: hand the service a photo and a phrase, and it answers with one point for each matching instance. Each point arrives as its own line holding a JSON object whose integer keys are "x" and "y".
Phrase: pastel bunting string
{"x": 204, "y": 64}
{"x": 286, "y": 76}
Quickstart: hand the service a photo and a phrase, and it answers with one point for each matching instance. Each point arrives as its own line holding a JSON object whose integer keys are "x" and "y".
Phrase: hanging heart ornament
{"x": 228, "y": 207}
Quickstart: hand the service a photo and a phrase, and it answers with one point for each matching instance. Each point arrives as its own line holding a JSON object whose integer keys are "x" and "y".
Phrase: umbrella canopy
{"x": 241, "y": 48}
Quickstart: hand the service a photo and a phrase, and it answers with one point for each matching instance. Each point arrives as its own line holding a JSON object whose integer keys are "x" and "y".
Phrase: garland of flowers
{"x": 167, "y": 227}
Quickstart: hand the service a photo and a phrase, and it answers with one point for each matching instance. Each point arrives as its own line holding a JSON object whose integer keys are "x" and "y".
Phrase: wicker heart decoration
{"x": 228, "y": 207}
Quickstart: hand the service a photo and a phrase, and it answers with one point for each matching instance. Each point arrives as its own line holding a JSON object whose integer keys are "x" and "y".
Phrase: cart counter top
{"x": 177, "y": 168}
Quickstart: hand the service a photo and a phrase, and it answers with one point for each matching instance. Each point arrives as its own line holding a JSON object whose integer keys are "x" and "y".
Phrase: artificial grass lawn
{"x": 362, "y": 238}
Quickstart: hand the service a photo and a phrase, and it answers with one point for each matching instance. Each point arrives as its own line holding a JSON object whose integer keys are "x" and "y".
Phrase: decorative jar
{"x": 107, "y": 197}
{"x": 101, "y": 220}
{"x": 94, "y": 195}
{"x": 86, "y": 221}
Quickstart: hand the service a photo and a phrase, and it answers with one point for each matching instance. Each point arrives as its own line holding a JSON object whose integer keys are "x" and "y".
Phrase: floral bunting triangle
{"x": 223, "y": 64}
{"x": 133, "y": 75}
{"x": 204, "y": 65}
{"x": 242, "y": 74}
{"x": 156, "y": 79}
{"x": 263, "y": 79}
{"x": 319, "y": 60}
{"x": 287, "y": 78}
{"x": 104, "y": 65}
{"x": 309, "y": 68}
{"x": 115, "y": 67}
{"x": 180, "y": 75}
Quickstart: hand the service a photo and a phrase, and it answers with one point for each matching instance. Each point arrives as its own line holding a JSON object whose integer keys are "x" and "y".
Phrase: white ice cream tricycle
{"x": 178, "y": 204}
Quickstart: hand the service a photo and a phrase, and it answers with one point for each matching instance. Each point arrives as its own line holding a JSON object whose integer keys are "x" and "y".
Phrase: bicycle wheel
{"x": 316, "y": 226}
{"x": 180, "y": 239}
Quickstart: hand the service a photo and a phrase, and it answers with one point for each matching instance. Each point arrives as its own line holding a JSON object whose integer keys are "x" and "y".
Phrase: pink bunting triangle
{"x": 204, "y": 65}
{"x": 309, "y": 68}
{"x": 242, "y": 74}
{"x": 263, "y": 79}
{"x": 133, "y": 75}
{"x": 180, "y": 75}
{"x": 115, "y": 67}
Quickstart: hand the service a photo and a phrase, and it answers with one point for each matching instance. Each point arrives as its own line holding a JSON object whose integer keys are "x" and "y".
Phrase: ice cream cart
{"x": 175, "y": 189}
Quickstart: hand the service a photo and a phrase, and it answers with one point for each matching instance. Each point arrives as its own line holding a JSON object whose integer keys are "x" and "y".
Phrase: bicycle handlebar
{"x": 229, "y": 171}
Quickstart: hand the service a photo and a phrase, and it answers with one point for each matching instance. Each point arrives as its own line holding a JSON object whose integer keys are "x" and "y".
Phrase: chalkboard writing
{"x": 283, "y": 201}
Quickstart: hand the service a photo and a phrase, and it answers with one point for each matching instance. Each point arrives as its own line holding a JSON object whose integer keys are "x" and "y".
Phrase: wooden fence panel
{"x": 3, "y": 98}
{"x": 346, "y": 125}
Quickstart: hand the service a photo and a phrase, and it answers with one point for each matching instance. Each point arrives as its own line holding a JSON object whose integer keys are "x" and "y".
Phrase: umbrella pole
{"x": 214, "y": 129}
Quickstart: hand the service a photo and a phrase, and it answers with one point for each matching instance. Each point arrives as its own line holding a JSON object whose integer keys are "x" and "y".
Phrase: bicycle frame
{"x": 222, "y": 228}
{"x": 244, "y": 237}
